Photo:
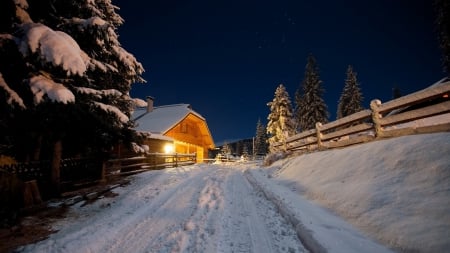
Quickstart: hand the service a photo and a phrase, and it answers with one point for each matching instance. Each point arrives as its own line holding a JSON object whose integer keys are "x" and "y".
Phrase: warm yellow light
{"x": 168, "y": 148}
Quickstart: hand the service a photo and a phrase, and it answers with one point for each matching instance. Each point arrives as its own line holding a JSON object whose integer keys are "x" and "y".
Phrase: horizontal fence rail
{"x": 149, "y": 161}
{"x": 80, "y": 172}
{"x": 391, "y": 119}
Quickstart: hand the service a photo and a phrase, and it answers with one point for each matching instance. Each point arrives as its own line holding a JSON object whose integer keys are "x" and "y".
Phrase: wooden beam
{"x": 416, "y": 114}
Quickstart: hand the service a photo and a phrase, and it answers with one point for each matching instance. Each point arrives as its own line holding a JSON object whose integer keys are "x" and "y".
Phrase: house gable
{"x": 192, "y": 129}
{"x": 187, "y": 128}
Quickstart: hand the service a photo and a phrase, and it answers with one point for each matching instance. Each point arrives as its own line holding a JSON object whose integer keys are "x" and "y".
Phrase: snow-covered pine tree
{"x": 260, "y": 139}
{"x": 442, "y": 20}
{"x": 396, "y": 93}
{"x": 238, "y": 147}
{"x": 226, "y": 150}
{"x": 244, "y": 154}
{"x": 310, "y": 106}
{"x": 64, "y": 76}
{"x": 111, "y": 70}
{"x": 280, "y": 119}
{"x": 351, "y": 97}
{"x": 298, "y": 109}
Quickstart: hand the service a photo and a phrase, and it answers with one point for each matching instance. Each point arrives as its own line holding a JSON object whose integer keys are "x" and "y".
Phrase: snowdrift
{"x": 396, "y": 190}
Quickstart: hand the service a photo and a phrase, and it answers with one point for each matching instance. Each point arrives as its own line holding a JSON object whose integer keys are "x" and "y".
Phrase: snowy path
{"x": 203, "y": 208}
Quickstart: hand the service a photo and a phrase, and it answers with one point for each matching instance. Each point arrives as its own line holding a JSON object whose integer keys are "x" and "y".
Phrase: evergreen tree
{"x": 238, "y": 147}
{"x": 396, "y": 93}
{"x": 226, "y": 150}
{"x": 260, "y": 141}
{"x": 351, "y": 96}
{"x": 245, "y": 151}
{"x": 442, "y": 11}
{"x": 281, "y": 123}
{"x": 298, "y": 109}
{"x": 65, "y": 79}
{"x": 310, "y": 106}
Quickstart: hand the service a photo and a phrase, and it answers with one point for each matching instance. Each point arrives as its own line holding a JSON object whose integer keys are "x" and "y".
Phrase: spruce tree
{"x": 226, "y": 150}
{"x": 238, "y": 147}
{"x": 396, "y": 93}
{"x": 65, "y": 79}
{"x": 351, "y": 96}
{"x": 260, "y": 139}
{"x": 244, "y": 151}
{"x": 75, "y": 70}
{"x": 280, "y": 119}
{"x": 442, "y": 21}
{"x": 310, "y": 106}
{"x": 298, "y": 109}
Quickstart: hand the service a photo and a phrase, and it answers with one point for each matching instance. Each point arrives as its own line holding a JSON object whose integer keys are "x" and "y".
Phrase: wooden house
{"x": 177, "y": 125}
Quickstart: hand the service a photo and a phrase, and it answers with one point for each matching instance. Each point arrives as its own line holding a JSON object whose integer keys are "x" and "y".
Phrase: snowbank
{"x": 395, "y": 190}
{"x": 320, "y": 230}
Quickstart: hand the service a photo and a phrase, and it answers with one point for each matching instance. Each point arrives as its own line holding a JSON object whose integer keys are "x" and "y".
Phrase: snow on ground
{"x": 202, "y": 208}
{"x": 394, "y": 191}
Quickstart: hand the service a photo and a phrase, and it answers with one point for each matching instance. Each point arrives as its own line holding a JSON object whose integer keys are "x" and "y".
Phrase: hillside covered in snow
{"x": 395, "y": 190}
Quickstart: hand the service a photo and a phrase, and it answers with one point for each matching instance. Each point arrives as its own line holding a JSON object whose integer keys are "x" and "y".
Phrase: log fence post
{"x": 319, "y": 135}
{"x": 103, "y": 173}
{"x": 376, "y": 116}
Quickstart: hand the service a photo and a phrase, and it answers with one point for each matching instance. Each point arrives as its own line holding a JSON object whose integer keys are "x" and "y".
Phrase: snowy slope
{"x": 395, "y": 190}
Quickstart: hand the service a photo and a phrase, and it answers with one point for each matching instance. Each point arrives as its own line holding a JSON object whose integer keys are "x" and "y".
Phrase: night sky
{"x": 226, "y": 58}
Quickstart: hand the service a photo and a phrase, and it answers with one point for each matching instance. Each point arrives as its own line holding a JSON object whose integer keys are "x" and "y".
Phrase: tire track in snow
{"x": 251, "y": 223}
{"x": 116, "y": 222}
{"x": 80, "y": 225}
{"x": 303, "y": 234}
{"x": 155, "y": 228}
{"x": 200, "y": 231}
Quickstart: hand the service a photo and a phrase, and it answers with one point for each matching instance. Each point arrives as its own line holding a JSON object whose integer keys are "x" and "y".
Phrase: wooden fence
{"x": 39, "y": 170}
{"x": 78, "y": 173}
{"x": 390, "y": 119}
{"x": 150, "y": 161}
{"x": 75, "y": 172}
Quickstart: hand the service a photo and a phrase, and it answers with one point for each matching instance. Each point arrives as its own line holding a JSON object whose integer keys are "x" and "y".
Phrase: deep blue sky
{"x": 226, "y": 58}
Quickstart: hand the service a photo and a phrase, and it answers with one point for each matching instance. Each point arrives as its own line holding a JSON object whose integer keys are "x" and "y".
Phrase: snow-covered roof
{"x": 162, "y": 118}
{"x": 156, "y": 136}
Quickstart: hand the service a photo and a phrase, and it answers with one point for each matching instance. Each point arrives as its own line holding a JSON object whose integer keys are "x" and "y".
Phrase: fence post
{"x": 285, "y": 136}
{"x": 176, "y": 159}
{"x": 376, "y": 116}
{"x": 319, "y": 135}
{"x": 103, "y": 174}
{"x": 31, "y": 193}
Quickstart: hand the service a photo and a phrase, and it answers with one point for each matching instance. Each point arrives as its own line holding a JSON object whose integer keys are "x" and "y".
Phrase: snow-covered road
{"x": 200, "y": 208}
{"x": 188, "y": 209}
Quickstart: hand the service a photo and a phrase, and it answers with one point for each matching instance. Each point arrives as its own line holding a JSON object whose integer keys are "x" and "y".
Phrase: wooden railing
{"x": 380, "y": 121}
{"x": 150, "y": 161}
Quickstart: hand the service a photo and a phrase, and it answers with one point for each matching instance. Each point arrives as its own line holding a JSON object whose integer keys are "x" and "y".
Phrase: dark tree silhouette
{"x": 351, "y": 96}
